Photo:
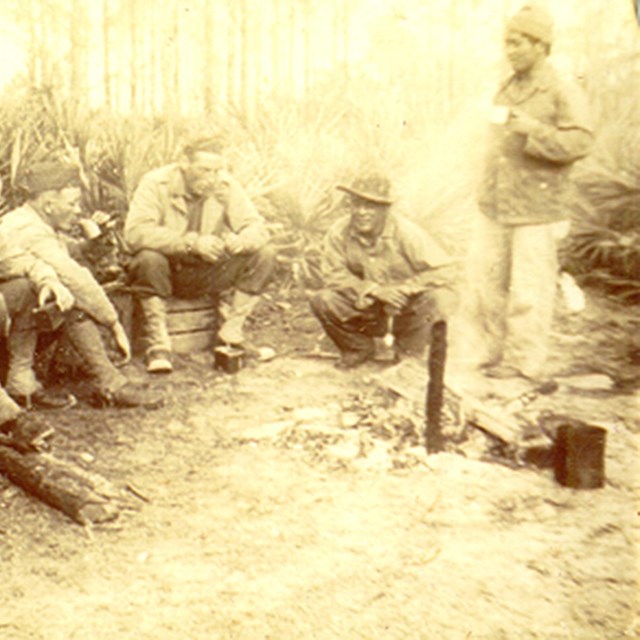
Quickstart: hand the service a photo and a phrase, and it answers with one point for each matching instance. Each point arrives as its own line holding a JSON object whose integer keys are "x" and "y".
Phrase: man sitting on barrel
{"x": 195, "y": 232}
{"x": 40, "y": 228}
{"x": 382, "y": 273}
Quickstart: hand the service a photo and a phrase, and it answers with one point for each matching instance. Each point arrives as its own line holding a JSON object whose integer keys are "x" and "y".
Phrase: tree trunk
{"x": 245, "y": 59}
{"x": 346, "y": 27}
{"x": 78, "y": 27}
{"x": 276, "y": 47}
{"x": 307, "y": 45}
{"x": 209, "y": 43}
{"x": 133, "y": 51}
{"x": 170, "y": 58}
{"x": 85, "y": 497}
{"x": 106, "y": 52}
{"x": 231, "y": 53}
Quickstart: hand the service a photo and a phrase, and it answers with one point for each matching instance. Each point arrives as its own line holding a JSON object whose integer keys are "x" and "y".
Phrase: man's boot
{"x": 112, "y": 389}
{"x": 154, "y": 313}
{"x": 22, "y": 384}
{"x": 9, "y": 410}
{"x": 234, "y": 315}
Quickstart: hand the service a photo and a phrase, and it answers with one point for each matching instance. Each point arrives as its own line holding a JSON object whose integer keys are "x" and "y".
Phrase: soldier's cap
{"x": 50, "y": 176}
{"x": 533, "y": 21}
{"x": 373, "y": 187}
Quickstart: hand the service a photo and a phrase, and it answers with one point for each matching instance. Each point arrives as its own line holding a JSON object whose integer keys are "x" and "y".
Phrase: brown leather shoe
{"x": 27, "y": 432}
{"x": 502, "y": 372}
{"x": 543, "y": 385}
{"x": 128, "y": 396}
{"x": 159, "y": 361}
{"x": 352, "y": 359}
{"x": 46, "y": 399}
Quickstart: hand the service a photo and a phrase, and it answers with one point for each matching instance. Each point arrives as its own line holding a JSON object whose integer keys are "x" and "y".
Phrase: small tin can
{"x": 229, "y": 359}
{"x": 580, "y": 455}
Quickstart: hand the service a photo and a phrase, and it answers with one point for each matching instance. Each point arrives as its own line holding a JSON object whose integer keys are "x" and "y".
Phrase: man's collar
{"x": 387, "y": 232}
{"x": 41, "y": 215}
{"x": 176, "y": 185}
{"x": 537, "y": 79}
{"x": 36, "y": 212}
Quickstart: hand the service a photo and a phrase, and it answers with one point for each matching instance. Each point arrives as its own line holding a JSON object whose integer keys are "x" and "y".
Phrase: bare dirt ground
{"x": 279, "y": 508}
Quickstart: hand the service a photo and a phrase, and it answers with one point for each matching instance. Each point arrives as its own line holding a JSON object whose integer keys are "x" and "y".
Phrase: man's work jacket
{"x": 158, "y": 217}
{"x": 526, "y": 178}
{"x": 15, "y": 263}
{"x": 29, "y": 231}
{"x": 404, "y": 253}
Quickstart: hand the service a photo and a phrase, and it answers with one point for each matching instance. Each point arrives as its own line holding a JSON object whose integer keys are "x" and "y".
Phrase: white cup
{"x": 499, "y": 114}
{"x": 90, "y": 229}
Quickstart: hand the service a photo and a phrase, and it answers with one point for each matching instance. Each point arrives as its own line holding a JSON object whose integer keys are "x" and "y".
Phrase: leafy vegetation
{"x": 291, "y": 154}
{"x": 604, "y": 248}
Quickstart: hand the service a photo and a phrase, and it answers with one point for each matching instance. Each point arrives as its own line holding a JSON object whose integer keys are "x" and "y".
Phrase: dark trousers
{"x": 353, "y": 329}
{"x": 153, "y": 274}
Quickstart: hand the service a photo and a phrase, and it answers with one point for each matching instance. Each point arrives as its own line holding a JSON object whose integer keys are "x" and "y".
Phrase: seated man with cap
{"x": 39, "y": 227}
{"x": 382, "y": 272}
{"x": 21, "y": 276}
{"x": 195, "y": 233}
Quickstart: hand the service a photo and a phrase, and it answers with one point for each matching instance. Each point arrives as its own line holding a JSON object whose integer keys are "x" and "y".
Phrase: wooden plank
{"x": 193, "y": 342}
{"x": 187, "y": 321}
{"x": 182, "y": 304}
{"x": 409, "y": 379}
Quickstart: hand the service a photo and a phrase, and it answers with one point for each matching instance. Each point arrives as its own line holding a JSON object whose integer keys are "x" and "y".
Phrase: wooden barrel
{"x": 579, "y": 455}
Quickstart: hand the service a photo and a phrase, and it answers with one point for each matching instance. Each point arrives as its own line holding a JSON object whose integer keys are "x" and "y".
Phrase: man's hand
{"x": 234, "y": 244}
{"x": 521, "y": 122}
{"x": 209, "y": 248}
{"x": 120, "y": 336}
{"x": 391, "y": 295}
{"x": 57, "y": 292}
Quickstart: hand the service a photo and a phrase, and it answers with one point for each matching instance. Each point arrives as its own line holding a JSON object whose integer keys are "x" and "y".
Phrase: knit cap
{"x": 534, "y": 21}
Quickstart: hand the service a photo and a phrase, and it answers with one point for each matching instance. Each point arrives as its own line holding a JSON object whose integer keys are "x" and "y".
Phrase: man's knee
{"x": 148, "y": 261}
{"x": 18, "y": 295}
{"x": 264, "y": 261}
{"x": 152, "y": 270}
{"x": 435, "y": 304}
{"x": 321, "y": 302}
{"x": 252, "y": 272}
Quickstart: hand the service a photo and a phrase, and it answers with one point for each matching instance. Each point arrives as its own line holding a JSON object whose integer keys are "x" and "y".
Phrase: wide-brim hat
{"x": 372, "y": 187}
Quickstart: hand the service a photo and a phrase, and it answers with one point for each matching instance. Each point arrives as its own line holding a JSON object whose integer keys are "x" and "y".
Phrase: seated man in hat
{"x": 38, "y": 228}
{"x": 20, "y": 276}
{"x": 195, "y": 232}
{"x": 381, "y": 272}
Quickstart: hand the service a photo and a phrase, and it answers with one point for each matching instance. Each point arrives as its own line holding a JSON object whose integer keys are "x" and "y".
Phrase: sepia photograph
{"x": 319, "y": 319}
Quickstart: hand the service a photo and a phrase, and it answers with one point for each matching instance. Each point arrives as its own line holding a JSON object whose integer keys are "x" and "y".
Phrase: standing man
{"x": 39, "y": 228}
{"x": 381, "y": 272}
{"x": 540, "y": 128}
{"x": 195, "y": 232}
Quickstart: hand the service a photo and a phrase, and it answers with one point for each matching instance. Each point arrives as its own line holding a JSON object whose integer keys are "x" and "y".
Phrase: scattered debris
{"x": 591, "y": 382}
